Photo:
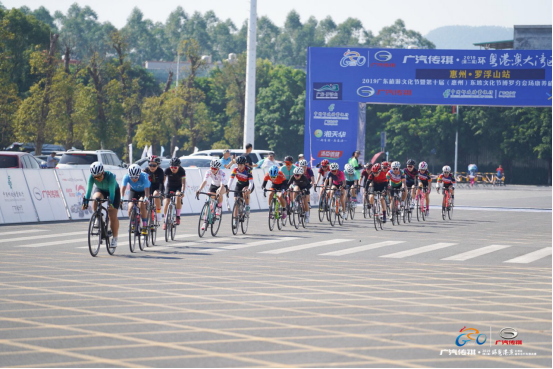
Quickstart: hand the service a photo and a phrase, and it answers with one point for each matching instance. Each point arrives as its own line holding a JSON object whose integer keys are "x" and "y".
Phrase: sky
{"x": 419, "y": 15}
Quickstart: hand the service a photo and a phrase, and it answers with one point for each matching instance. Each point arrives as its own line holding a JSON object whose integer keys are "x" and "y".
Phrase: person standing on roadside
{"x": 51, "y": 161}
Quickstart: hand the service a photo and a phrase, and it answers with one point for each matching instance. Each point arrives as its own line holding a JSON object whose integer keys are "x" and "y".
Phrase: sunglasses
{"x": 214, "y": 168}
{"x": 334, "y": 171}
{"x": 297, "y": 175}
{"x": 152, "y": 165}
{"x": 174, "y": 167}
{"x": 409, "y": 166}
{"x": 98, "y": 176}
{"x": 288, "y": 162}
{"x": 325, "y": 166}
{"x": 396, "y": 168}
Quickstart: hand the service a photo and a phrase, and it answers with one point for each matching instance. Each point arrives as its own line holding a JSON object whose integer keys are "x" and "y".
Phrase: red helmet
{"x": 324, "y": 163}
{"x": 385, "y": 165}
{"x": 376, "y": 168}
{"x": 154, "y": 158}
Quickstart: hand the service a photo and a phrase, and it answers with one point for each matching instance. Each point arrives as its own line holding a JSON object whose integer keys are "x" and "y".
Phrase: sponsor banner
{"x": 332, "y": 131}
{"x": 73, "y": 187}
{"x": 193, "y": 181}
{"x": 16, "y": 204}
{"x": 431, "y": 77}
{"x": 258, "y": 175}
{"x": 46, "y": 194}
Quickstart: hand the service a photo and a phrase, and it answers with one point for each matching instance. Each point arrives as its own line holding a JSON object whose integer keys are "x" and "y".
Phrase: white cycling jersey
{"x": 216, "y": 179}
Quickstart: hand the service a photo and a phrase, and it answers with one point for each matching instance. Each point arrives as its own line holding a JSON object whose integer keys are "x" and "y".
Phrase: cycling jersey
{"x": 216, "y": 179}
{"x": 301, "y": 182}
{"x": 379, "y": 178}
{"x": 394, "y": 178}
{"x": 337, "y": 179}
{"x": 365, "y": 176}
{"x": 323, "y": 172}
{"x": 308, "y": 173}
{"x": 280, "y": 178}
{"x": 424, "y": 177}
{"x": 174, "y": 180}
{"x": 351, "y": 178}
{"x": 243, "y": 177}
{"x": 410, "y": 176}
{"x": 157, "y": 178}
{"x": 138, "y": 186}
{"x": 288, "y": 172}
{"x": 447, "y": 181}
{"x": 108, "y": 184}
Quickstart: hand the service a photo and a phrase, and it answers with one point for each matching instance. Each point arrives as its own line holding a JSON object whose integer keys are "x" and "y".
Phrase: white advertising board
{"x": 46, "y": 194}
{"x": 73, "y": 187}
{"x": 16, "y": 204}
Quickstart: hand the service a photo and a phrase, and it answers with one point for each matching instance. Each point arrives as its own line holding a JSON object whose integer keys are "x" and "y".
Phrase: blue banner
{"x": 334, "y": 129}
{"x": 430, "y": 77}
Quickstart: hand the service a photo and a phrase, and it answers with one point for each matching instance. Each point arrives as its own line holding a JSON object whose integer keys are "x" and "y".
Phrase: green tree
{"x": 397, "y": 36}
{"x": 9, "y": 99}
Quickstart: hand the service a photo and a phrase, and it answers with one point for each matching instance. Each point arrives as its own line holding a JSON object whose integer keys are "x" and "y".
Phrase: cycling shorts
{"x": 214, "y": 188}
{"x": 279, "y": 187}
{"x": 409, "y": 184}
{"x": 350, "y": 183}
{"x": 116, "y": 199}
{"x": 170, "y": 189}
{"x": 136, "y": 194}
{"x": 240, "y": 187}
{"x": 379, "y": 187}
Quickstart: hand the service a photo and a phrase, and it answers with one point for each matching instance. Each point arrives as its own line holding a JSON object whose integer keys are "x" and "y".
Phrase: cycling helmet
{"x": 368, "y": 165}
{"x": 302, "y": 163}
{"x": 273, "y": 171}
{"x": 411, "y": 162}
{"x": 349, "y": 169}
{"x": 324, "y": 163}
{"x": 385, "y": 165}
{"x": 96, "y": 168}
{"x": 215, "y": 164}
{"x": 298, "y": 170}
{"x": 289, "y": 158}
{"x": 175, "y": 162}
{"x": 376, "y": 168}
{"x": 134, "y": 171}
{"x": 396, "y": 164}
{"x": 155, "y": 158}
{"x": 334, "y": 166}
{"x": 423, "y": 165}
{"x": 241, "y": 160}
{"x": 446, "y": 169}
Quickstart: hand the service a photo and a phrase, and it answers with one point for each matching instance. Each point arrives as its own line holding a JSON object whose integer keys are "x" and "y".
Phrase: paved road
{"x": 322, "y": 297}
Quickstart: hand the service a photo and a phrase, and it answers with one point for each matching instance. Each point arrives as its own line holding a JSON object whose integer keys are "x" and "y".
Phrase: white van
{"x": 255, "y": 155}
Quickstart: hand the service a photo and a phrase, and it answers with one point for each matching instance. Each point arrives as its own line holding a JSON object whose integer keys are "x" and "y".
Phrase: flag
{"x": 130, "y": 153}
{"x": 162, "y": 151}
{"x": 150, "y": 151}
{"x": 144, "y": 152}
{"x": 196, "y": 149}
{"x": 175, "y": 151}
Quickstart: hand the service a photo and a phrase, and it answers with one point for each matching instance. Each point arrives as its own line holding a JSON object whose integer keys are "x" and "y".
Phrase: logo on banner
{"x": 10, "y": 182}
{"x": 37, "y": 193}
{"x": 383, "y": 56}
{"x": 327, "y": 91}
{"x": 318, "y": 133}
{"x": 390, "y": 92}
{"x": 365, "y": 91}
{"x": 352, "y": 59}
{"x": 508, "y": 335}
{"x": 330, "y": 154}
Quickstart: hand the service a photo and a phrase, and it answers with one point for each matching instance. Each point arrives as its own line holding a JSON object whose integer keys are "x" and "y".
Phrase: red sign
{"x": 330, "y": 154}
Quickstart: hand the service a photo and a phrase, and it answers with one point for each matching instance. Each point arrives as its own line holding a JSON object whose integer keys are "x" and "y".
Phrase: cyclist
{"x": 308, "y": 172}
{"x": 218, "y": 180}
{"x": 279, "y": 184}
{"x": 323, "y": 171}
{"x": 105, "y": 186}
{"x": 425, "y": 182}
{"x": 410, "y": 179}
{"x": 396, "y": 180}
{"x": 288, "y": 168}
{"x": 378, "y": 181}
{"x": 176, "y": 182}
{"x": 363, "y": 180}
{"x": 244, "y": 184}
{"x": 299, "y": 182}
{"x": 140, "y": 189}
{"x": 336, "y": 179}
{"x": 157, "y": 178}
{"x": 385, "y": 166}
{"x": 352, "y": 180}
{"x": 448, "y": 181}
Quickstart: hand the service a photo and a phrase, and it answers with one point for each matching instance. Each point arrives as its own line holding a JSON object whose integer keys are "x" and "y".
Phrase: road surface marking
{"x": 362, "y": 248}
{"x": 252, "y": 244}
{"x": 418, "y": 250}
{"x": 533, "y": 256}
{"x": 302, "y": 247}
{"x": 475, "y": 253}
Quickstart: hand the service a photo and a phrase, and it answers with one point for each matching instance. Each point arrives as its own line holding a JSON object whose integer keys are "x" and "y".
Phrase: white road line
{"x": 477, "y": 252}
{"x": 303, "y": 247}
{"x": 418, "y": 250}
{"x": 4, "y": 240}
{"x": 187, "y": 244}
{"x": 533, "y": 256}
{"x": 252, "y": 244}
{"x": 53, "y": 243}
{"x": 26, "y": 231}
{"x": 362, "y": 248}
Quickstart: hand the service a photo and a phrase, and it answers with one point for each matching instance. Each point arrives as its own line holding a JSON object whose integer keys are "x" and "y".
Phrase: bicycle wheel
{"x": 394, "y": 210}
{"x": 332, "y": 212}
{"x": 168, "y": 222}
{"x": 146, "y": 237}
{"x": 450, "y": 211}
{"x": 399, "y": 212}
{"x": 132, "y": 226}
{"x": 153, "y": 228}
{"x": 444, "y": 206}
{"x": 376, "y": 213}
{"x": 173, "y": 230}
{"x": 244, "y": 218}
{"x": 138, "y": 232}
{"x": 235, "y": 216}
{"x": 296, "y": 213}
{"x": 272, "y": 215}
{"x": 94, "y": 235}
{"x": 302, "y": 218}
{"x": 409, "y": 212}
{"x": 104, "y": 227}
{"x": 216, "y": 224}
{"x": 322, "y": 206}
{"x": 366, "y": 212}
{"x": 203, "y": 221}
{"x": 352, "y": 211}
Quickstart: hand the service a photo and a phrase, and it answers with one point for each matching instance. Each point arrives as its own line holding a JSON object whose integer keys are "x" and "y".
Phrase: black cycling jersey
{"x": 301, "y": 182}
{"x": 157, "y": 178}
{"x": 174, "y": 180}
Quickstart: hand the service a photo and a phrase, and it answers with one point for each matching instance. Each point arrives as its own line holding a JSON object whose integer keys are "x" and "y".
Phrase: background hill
{"x": 463, "y": 37}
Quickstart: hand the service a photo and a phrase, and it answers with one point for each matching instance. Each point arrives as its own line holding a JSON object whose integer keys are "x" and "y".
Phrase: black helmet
{"x": 289, "y": 158}
{"x": 411, "y": 162}
{"x": 175, "y": 162}
{"x": 241, "y": 160}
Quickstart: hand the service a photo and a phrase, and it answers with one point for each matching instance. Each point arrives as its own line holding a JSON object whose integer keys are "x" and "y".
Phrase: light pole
{"x": 249, "y": 116}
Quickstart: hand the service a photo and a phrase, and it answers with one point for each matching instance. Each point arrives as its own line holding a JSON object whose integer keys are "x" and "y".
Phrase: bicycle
{"x": 396, "y": 206}
{"x": 350, "y": 204}
{"x": 208, "y": 215}
{"x": 298, "y": 213}
{"x": 377, "y": 210}
{"x": 323, "y": 204}
{"x": 103, "y": 233}
{"x": 171, "y": 218}
{"x": 334, "y": 212}
{"x": 407, "y": 212}
{"x": 274, "y": 211}
{"x": 420, "y": 201}
{"x": 367, "y": 208}
{"x": 135, "y": 227}
{"x": 447, "y": 204}
{"x": 153, "y": 222}
{"x": 241, "y": 216}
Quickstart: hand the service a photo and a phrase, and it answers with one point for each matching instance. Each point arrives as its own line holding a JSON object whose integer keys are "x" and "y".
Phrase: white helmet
{"x": 396, "y": 164}
{"x": 334, "y": 166}
{"x": 349, "y": 169}
{"x": 96, "y": 168}
{"x": 298, "y": 170}
{"x": 134, "y": 171}
{"x": 215, "y": 163}
{"x": 423, "y": 165}
{"x": 302, "y": 163}
{"x": 446, "y": 169}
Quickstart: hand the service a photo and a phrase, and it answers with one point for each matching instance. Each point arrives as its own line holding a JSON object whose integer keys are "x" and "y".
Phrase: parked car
{"x": 255, "y": 155}
{"x": 30, "y": 148}
{"x": 196, "y": 161}
{"x": 44, "y": 158}
{"x": 77, "y": 159}
{"x": 13, "y": 159}
{"x": 144, "y": 163}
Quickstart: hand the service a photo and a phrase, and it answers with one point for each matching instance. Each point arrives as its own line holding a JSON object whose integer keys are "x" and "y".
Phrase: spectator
{"x": 226, "y": 160}
{"x": 472, "y": 173}
{"x": 269, "y": 161}
{"x": 354, "y": 162}
{"x": 500, "y": 174}
{"x": 52, "y": 161}
{"x": 249, "y": 161}
{"x": 300, "y": 157}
